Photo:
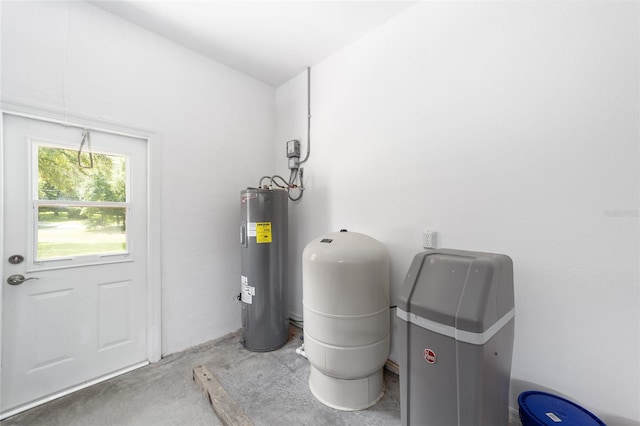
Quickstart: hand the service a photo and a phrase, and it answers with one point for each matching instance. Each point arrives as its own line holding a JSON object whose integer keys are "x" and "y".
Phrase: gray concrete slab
{"x": 271, "y": 388}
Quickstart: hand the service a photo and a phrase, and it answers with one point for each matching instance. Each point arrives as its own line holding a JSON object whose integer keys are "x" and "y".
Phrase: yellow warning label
{"x": 263, "y": 232}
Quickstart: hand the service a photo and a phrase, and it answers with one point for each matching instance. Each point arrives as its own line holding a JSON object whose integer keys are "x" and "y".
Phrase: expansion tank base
{"x": 346, "y": 394}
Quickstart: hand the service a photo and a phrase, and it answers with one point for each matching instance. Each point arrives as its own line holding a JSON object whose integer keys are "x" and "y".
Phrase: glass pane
{"x": 80, "y": 231}
{"x": 60, "y": 177}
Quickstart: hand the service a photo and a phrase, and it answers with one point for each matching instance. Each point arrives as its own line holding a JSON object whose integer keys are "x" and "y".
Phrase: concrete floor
{"x": 272, "y": 389}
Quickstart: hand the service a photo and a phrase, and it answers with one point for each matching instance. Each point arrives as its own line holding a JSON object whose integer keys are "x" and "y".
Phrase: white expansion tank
{"x": 345, "y": 279}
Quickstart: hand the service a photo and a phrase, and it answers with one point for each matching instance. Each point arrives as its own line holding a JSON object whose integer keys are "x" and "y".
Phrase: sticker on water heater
{"x": 251, "y": 229}
{"x": 247, "y": 291}
{"x": 263, "y": 232}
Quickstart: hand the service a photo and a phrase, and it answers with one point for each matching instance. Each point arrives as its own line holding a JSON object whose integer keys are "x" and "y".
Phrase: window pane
{"x": 80, "y": 231}
{"x": 60, "y": 177}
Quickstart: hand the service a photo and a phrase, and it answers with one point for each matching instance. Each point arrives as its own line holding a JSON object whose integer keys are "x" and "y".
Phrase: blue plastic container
{"x": 544, "y": 409}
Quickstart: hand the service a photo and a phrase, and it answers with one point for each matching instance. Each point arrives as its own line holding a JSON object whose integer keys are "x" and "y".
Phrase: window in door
{"x": 81, "y": 204}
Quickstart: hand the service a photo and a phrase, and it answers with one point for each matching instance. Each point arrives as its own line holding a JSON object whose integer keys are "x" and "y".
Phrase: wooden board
{"x": 229, "y": 413}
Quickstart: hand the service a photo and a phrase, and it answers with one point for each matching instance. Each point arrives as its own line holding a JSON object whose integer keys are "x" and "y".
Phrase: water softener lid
{"x": 544, "y": 409}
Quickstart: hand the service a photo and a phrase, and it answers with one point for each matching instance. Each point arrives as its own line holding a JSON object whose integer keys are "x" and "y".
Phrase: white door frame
{"x": 154, "y": 266}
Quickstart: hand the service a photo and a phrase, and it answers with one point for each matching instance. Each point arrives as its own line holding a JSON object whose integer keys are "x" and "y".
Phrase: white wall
{"x": 506, "y": 127}
{"x": 215, "y": 125}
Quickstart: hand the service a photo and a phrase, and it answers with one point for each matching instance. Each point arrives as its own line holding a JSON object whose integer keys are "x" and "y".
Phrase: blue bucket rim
{"x": 523, "y": 405}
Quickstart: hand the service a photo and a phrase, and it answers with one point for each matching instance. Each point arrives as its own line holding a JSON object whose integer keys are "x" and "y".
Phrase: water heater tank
{"x": 345, "y": 278}
{"x": 263, "y": 255}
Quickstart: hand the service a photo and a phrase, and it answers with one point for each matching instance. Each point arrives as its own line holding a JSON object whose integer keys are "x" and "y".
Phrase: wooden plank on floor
{"x": 229, "y": 413}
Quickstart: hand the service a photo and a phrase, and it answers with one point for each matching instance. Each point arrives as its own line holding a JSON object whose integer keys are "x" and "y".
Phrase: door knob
{"x": 18, "y": 279}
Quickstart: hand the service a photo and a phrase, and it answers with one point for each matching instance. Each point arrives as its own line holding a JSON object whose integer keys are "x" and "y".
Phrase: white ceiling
{"x": 270, "y": 40}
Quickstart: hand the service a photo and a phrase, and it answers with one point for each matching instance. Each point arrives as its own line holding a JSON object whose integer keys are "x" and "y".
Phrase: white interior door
{"x": 75, "y": 229}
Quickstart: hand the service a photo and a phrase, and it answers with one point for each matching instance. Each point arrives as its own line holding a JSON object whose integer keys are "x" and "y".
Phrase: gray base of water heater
{"x": 268, "y": 349}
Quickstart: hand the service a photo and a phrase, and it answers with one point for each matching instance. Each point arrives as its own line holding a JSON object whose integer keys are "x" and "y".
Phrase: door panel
{"x": 114, "y": 325}
{"x": 81, "y": 314}
{"x": 50, "y": 328}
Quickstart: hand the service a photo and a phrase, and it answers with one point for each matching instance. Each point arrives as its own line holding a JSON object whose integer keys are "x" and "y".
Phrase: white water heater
{"x": 345, "y": 281}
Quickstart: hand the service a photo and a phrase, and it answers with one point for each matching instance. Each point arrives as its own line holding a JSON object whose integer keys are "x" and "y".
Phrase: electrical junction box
{"x": 293, "y": 149}
{"x": 294, "y": 163}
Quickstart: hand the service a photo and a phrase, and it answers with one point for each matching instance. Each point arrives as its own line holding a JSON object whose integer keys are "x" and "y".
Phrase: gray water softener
{"x": 263, "y": 242}
{"x": 456, "y": 328}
